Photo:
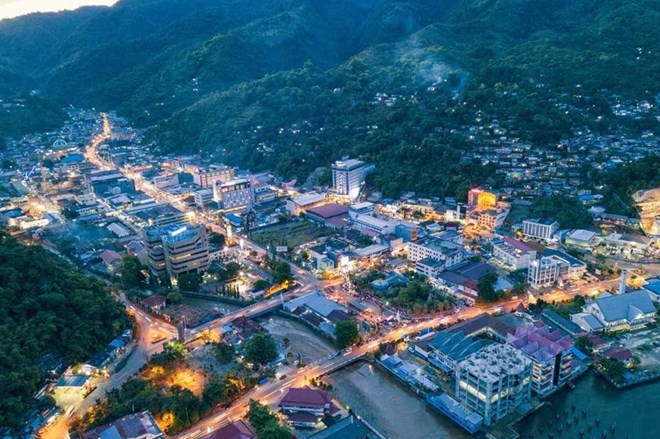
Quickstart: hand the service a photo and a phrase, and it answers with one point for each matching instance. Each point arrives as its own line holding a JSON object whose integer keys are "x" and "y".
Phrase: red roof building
{"x": 235, "y": 430}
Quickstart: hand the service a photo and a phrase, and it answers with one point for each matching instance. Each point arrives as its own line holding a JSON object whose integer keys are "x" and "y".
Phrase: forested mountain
{"x": 47, "y": 310}
{"x": 293, "y": 84}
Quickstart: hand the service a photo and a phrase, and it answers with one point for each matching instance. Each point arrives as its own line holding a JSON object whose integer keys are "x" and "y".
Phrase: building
{"x": 160, "y": 215}
{"x": 540, "y": 229}
{"x": 348, "y": 428}
{"x": 206, "y": 177}
{"x": 554, "y": 266}
{"x": 264, "y": 194}
{"x": 177, "y": 250}
{"x": 302, "y": 202}
{"x": 482, "y": 199}
{"x": 304, "y": 407}
{"x": 450, "y": 252}
{"x": 491, "y": 219}
{"x": 112, "y": 182}
{"x": 494, "y": 381}
{"x": 550, "y": 353}
{"x": 233, "y": 195}
{"x": 513, "y": 253}
{"x": 580, "y": 238}
{"x": 331, "y": 215}
{"x": 377, "y": 226}
{"x": 234, "y": 430}
{"x": 203, "y": 197}
{"x": 429, "y": 267}
{"x": 137, "y": 426}
{"x": 622, "y": 311}
{"x": 348, "y": 177}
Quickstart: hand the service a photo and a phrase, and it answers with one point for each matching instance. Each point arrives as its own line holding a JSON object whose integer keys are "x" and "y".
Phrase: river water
{"x": 634, "y": 412}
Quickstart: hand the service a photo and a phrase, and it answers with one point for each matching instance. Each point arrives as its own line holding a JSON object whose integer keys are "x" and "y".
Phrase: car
{"x": 282, "y": 377}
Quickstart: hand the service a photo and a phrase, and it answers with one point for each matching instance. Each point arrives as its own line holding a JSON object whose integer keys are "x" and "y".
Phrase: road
{"x": 149, "y": 329}
{"x": 271, "y": 392}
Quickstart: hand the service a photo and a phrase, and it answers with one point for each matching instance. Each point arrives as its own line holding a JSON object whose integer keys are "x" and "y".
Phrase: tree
{"x": 223, "y": 352}
{"x": 266, "y": 423}
{"x": 584, "y": 344}
{"x": 233, "y": 269}
{"x": 174, "y": 297}
{"x": 611, "y": 368}
{"x": 281, "y": 272}
{"x": 260, "y": 349}
{"x": 486, "y": 288}
{"x": 260, "y": 285}
{"x": 217, "y": 239}
{"x": 130, "y": 270}
{"x": 346, "y": 333}
{"x": 189, "y": 281}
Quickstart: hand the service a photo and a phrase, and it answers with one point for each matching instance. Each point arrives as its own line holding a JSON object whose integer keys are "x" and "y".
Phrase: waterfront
{"x": 632, "y": 411}
{"x": 389, "y": 407}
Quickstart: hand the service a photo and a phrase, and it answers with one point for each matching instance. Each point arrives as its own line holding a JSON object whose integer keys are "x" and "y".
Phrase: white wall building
{"x": 541, "y": 229}
{"x": 234, "y": 195}
{"x": 348, "y": 177}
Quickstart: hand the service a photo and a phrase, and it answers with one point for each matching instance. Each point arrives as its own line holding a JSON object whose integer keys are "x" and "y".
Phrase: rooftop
{"x": 495, "y": 361}
{"x": 235, "y": 430}
{"x": 627, "y": 306}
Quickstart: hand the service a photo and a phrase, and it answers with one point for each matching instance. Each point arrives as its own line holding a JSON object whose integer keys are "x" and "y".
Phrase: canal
{"x": 633, "y": 412}
{"x": 373, "y": 394}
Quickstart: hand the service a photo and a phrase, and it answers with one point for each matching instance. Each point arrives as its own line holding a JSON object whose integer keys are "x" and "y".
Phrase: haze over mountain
{"x": 290, "y": 85}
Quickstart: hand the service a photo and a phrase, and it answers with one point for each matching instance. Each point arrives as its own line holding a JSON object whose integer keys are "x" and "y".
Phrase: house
{"x": 305, "y": 406}
{"x": 348, "y": 428}
{"x": 623, "y": 311}
{"x": 111, "y": 259}
{"x": 154, "y": 303}
{"x": 137, "y": 426}
{"x": 621, "y": 354}
{"x": 235, "y": 430}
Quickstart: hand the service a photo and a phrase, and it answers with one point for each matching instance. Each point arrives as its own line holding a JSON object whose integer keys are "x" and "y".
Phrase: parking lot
{"x": 644, "y": 345}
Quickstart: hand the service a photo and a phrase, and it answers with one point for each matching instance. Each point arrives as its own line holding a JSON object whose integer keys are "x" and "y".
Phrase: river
{"x": 633, "y": 411}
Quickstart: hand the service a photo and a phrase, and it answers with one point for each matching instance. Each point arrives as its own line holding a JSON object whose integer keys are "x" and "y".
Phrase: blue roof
{"x": 72, "y": 381}
{"x": 73, "y": 158}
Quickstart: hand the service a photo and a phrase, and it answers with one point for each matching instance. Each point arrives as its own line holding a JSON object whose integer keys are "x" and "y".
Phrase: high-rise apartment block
{"x": 177, "y": 250}
{"x": 206, "y": 177}
{"x": 494, "y": 381}
{"x": 348, "y": 177}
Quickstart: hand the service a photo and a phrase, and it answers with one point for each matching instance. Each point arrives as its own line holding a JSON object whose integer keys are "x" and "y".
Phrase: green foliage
{"x": 584, "y": 344}
{"x": 29, "y": 114}
{"x": 421, "y": 296}
{"x": 189, "y": 281}
{"x": 46, "y": 307}
{"x": 568, "y": 211}
{"x": 266, "y": 423}
{"x": 174, "y": 297}
{"x": 223, "y": 352}
{"x": 173, "y": 351}
{"x": 486, "y": 289}
{"x": 217, "y": 239}
{"x": 611, "y": 368}
{"x": 260, "y": 349}
{"x": 260, "y": 285}
{"x": 627, "y": 179}
{"x": 346, "y": 333}
{"x": 281, "y": 271}
{"x": 130, "y": 270}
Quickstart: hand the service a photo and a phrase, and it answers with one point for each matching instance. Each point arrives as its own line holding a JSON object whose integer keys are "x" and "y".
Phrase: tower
{"x": 623, "y": 281}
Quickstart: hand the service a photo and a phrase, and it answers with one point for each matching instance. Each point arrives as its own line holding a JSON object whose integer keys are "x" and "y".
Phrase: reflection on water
{"x": 389, "y": 407}
{"x": 593, "y": 408}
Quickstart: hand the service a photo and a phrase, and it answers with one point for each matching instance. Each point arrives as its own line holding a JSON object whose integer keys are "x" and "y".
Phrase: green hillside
{"x": 290, "y": 85}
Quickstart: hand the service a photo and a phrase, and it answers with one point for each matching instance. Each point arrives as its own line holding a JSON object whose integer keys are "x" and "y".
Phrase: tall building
{"x": 494, "y": 381}
{"x": 542, "y": 272}
{"x": 177, "y": 250}
{"x": 206, "y": 177}
{"x": 540, "y": 228}
{"x": 550, "y": 353}
{"x": 203, "y": 197}
{"x": 482, "y": 199}
{"x": 234, "y": 195}
{"x": 348, "y": 176}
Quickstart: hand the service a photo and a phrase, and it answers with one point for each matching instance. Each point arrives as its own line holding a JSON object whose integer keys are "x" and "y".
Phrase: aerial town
{"x": 268, "y": 305}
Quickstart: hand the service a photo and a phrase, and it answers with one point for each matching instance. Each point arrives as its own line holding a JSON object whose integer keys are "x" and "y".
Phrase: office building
{"x": 541, "y": 229}
{"x": 177, "y": 250}
{"x": 514, "y": 254}
{"x": 234, "y": 195}
{"x": 451, "y": 253}
{"x": 206, "y": 177}
{"x": 542, "y": 272}
{"x": 491, "y": 219}
{"x": 494, "y": 381}
{"x": 348, "y": 177}
{"x": 203, "y": 197}
{"x": 550, "y": 353}
{"x": 109, "y": 182}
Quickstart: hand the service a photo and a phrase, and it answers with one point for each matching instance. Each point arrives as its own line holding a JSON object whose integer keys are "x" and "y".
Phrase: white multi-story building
{"x": 512, "y": 253}
{"x": 203, "y": 197}
{"x": 491, "y": 219}
{"x": 451, "y": 253}
{"x": 348, "y": 177}
{"x": 541, "y": 229}
{"x": 376, "y": 225}
{"x": 494, "y": 381}
{"x": 234, "y": 195}
{"x": 543, "y": 272}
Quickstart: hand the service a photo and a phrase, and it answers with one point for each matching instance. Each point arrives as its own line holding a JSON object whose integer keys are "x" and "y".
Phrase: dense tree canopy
{"x": 46, "y": 307}
{"x": 568, "y": 211}
{"x": 346, "y": 333}
{"x": 260, "y": 349}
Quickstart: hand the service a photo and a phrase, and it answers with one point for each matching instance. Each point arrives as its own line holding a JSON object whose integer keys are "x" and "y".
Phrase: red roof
{"x": 306, "y": 397}
{"x": 328, "y": 210}
{"x": 235, "y": 430}
{"x": 621, "y": 354}
{"x": 518, "y": 244}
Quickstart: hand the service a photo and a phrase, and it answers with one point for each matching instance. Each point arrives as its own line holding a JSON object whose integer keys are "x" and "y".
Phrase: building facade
{"x": 177, "y": 250}
{"x": 348, "y": 177}
{"x": 541, "y": 229}
{"x": 234, "y": 195}
{"x": 494, "y": 381}
{"x": 206, "y": 178}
